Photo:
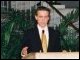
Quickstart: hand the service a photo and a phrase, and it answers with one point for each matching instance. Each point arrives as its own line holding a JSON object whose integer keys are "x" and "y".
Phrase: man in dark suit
{"x": 32, "y": 37}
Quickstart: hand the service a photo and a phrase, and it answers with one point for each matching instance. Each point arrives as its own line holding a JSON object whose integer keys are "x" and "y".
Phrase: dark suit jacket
{"x": 32, "y": 40}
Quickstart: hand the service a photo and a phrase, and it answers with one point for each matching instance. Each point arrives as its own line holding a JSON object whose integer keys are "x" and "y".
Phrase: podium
{"x": 53, "y": 55}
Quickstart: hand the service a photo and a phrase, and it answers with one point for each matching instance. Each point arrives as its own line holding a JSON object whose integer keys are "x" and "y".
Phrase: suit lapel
{"x": 38, "y": 37}
{"x": 51, "y": 37}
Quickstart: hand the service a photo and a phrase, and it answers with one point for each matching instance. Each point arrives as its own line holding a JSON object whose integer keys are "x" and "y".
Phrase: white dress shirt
{"x": 46, "y": 32}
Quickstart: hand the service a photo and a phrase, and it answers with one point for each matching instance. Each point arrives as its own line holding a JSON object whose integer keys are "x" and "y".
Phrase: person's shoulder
{"x": 54, "y": 30}
{"x": 51, "y": 29}
{"x": 30, "y": 30}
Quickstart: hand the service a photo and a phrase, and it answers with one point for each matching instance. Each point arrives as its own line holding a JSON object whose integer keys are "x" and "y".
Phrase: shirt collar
{"x": 45, "y": 28}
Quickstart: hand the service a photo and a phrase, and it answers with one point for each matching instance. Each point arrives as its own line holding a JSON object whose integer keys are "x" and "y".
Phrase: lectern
{"x": 53, "y": 55}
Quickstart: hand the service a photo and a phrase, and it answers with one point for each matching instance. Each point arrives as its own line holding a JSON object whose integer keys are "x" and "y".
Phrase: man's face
{"x": 42, "y": 18}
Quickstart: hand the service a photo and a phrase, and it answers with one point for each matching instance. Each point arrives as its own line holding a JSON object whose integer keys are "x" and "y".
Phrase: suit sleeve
{"x": 26, "y": 40}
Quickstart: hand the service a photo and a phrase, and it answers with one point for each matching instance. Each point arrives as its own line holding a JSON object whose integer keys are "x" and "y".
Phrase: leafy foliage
{"x": 69, "y": 38}
{"x": 12, "y": 32}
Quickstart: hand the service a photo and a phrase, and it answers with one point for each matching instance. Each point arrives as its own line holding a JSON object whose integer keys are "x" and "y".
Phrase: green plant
{"x": 69, "y": 38}
{"x": 12, "y": 32}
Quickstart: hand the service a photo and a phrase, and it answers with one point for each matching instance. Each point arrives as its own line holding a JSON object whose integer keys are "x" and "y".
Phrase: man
{"x": 32, "y": 41}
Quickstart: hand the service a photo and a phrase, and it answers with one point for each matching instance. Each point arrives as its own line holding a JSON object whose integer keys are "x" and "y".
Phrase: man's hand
{"x": 24, "y": 52}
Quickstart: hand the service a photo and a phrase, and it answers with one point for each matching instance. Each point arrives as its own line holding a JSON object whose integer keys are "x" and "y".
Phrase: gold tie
{"x": 44, "y": 42}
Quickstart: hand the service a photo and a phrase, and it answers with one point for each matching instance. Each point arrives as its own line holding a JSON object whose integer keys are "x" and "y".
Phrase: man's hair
{"x": 43, "y": 9}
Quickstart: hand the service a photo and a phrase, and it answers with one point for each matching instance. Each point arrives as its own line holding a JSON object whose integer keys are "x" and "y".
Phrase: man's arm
{"x": 25, "y": 45}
